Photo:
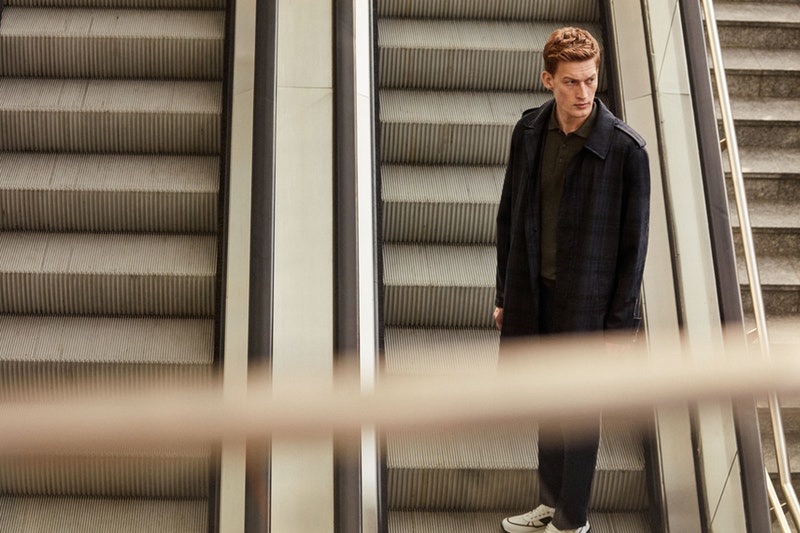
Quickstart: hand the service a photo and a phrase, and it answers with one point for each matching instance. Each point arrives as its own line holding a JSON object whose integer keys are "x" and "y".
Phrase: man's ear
{"x": 547, "y": 80}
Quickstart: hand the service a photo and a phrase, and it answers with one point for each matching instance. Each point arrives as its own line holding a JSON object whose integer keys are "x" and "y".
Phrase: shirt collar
{"x": 586, "y": 128}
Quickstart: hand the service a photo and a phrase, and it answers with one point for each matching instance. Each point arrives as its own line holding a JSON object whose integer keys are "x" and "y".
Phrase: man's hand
{"x": 498, "y": 317}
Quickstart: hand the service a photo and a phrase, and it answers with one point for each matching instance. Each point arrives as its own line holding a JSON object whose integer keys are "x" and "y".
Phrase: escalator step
{"x": 439, "y": 286}
{"x": 447, "y": 204}
{"x": 436, "y": 351}
{"x": 85, "y": 515}
{"x": 127, "y": 116}
{"x": 436, "y": 54}
{"x": 112, "y": 43}
{"x": 168, "y": 473}
{"x": 455, "y": 128}
{"x": 489, "y": 522}
{"x": 496, "y": 468}
{"x": 94, "y": 192}
{"x": 577, "y": 10}
{"x": 107, "y": 274}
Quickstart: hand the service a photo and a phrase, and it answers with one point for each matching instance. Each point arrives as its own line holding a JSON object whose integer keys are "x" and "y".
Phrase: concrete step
{"x": 107, "y": 274}
{"x": 118, "y": 116}
{"x": 780, "y": 284}
{"x": 771, "y": 174}
{"x": 40, "y": 355}
{"x": 754, "y": 72}
{"x": 436, "y": 203}
{"x": 111, "y": 43}
{"x": 95, "y": 192}
{"x": 122, "y": 4}
{"x": 474, "y": 55}
{"x": 439, "y": 286}
{"x": 495, "y": 468}
{"x": 524, "y": 10}
{"x": 758, "y": 24}
{"x": 35, "y": 513}
{"x": 453, "y": 128}
{"x": 775, "y": 226}
{"x": 438, "y": 351}
{"x": 120, "y": 473}
{"x": 489, "y": 522}
{"x": 766, "y": 122}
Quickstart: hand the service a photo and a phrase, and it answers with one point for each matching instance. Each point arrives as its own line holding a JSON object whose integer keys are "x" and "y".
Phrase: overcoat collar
{"x": 599, "y": 142}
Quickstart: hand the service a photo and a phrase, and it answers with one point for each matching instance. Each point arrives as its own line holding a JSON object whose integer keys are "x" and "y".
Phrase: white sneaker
{"x": 535, "y": 521}
{"x": 553, "y": 529}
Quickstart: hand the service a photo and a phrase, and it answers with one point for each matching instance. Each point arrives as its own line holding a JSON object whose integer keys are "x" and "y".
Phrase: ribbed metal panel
{"x": 489, "y": 522}
{"x": 557, "y": 10}
{"x": 144, "y": 474}
{"x": 449, "y": 204}
{"x": 110, "y": 116}
{"x": 107, "y": 274}
{"x": 92, "y": 515}
{"x": 474, "y": 55}
{"x": 75, "y": 192}
{"x": 495, "y": 467}
{"x": 414, "y": 351}
{"x": 427, "y": 127}
{"x": 112, "y": 43}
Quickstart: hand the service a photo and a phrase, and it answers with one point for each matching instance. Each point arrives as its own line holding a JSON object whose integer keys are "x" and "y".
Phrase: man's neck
{"x": 568, "y": 125}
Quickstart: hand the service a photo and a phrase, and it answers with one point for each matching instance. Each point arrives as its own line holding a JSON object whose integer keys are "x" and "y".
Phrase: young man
{"x": 572, "y": 232}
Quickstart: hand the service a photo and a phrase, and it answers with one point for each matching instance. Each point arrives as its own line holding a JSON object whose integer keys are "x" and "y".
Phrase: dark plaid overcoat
{"x": 601, "y": 233}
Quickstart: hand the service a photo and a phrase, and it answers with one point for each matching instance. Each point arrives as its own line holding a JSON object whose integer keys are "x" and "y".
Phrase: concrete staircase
{"x": 110, "y": 128}
{"x": 761, "y": 51}
{"x": 454, "y": 78}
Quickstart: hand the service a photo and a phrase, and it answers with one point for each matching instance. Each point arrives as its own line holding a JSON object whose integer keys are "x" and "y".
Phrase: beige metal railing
{"x": 782, "y": 456}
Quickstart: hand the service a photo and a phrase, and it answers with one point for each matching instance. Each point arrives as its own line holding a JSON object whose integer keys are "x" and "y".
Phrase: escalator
{"x": 110, "y": 128}
{"x": 454, "y": 78}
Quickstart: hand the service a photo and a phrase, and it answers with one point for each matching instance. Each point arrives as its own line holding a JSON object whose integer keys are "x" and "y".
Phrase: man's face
{"x": 573, "y": 84}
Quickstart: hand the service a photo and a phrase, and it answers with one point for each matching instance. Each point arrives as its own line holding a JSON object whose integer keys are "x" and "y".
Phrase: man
{"x": 572, "y": 232}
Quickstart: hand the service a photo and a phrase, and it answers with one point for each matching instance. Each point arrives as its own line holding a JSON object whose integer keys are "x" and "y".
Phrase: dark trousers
{"x": 567, "y": 449}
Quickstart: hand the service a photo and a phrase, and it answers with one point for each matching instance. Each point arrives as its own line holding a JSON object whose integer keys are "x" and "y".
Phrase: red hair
{"x": 569, "y": 44}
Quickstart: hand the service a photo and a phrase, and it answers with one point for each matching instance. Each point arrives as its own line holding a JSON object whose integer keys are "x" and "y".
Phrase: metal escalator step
{"x": 95, "y": 192}
{"x": 166, "y": 473}
{"x": 463, "y": 55}
{"x": 41, "y": 356}
{"x": 107, "y": 274}
{"x": 439, "y": 286}
{"x": 123, "y": 4}
{"x": 448, "y": 204}
{"x": 489, "y": 522}
{"x": 120, "y": 116}
{"x": 577, "y": 10}
{"x": 95, "y": 515}
{"x": 495, "y": 468}
{"x": 436, "y": 351}
{"x": 111, "y": 43}
{"x": 457, "y": 128}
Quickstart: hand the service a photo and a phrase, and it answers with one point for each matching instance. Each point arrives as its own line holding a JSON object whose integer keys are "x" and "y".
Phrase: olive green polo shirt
{"x": 558, "y": 151}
